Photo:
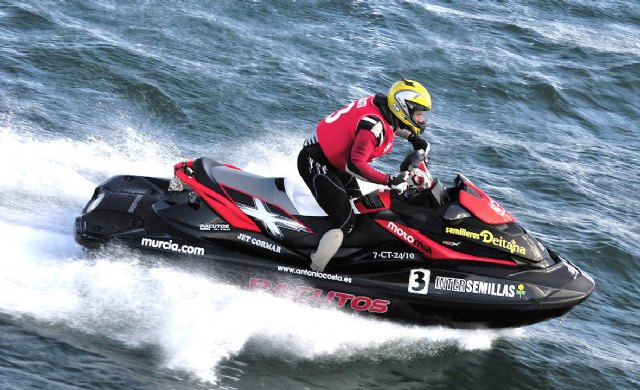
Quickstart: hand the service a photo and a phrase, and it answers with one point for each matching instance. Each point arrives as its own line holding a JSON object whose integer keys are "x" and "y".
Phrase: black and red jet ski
{"x": 450, "y": 256}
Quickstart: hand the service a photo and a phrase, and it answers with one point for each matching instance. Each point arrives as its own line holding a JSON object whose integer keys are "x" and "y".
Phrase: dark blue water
{"x": 537, "y": 102}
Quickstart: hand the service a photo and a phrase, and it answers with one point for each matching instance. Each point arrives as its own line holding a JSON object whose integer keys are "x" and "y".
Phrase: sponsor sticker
{"x": 495, "y": 206}
{"x": 478, "y": 287}
{"x": 572, "y": 270}
{"x": 260, "y": 243}
{"x": 488, "y": 237}
{"x": 172, "y": 246}
{"x": 408, "y": 237}
{"x": 218, "y": 227}
{"x": 134, "y": 204}
{"x": 320, "y": 296}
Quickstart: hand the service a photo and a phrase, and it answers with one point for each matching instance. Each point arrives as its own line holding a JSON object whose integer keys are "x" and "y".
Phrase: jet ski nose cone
{"x": 584, "y": 284}
{"x": 575, "y": 291}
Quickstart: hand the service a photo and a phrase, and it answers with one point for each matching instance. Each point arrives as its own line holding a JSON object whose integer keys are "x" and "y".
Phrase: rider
{"x": 344, "y": 144}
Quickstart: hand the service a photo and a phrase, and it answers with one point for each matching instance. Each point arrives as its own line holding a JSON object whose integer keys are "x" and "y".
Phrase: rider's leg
{"x": 331, "y": 195}
{"x": 327, "y": 248}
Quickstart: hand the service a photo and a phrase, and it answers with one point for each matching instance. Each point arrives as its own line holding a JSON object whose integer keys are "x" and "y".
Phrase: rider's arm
{"x": 418, "y": 142}
{"x": 358, "y": 161}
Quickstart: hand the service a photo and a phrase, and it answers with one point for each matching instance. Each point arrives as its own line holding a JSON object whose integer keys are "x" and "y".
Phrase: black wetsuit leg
{"x": 327, "y": 185}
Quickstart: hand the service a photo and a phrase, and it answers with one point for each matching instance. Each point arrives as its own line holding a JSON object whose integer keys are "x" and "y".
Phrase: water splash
{"x": 196, "y": 322}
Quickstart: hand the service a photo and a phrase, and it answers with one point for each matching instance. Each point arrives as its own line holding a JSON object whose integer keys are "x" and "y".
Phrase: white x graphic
{"x": 271, "y": 221}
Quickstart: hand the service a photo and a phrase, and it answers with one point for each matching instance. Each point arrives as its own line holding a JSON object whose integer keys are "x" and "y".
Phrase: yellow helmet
{"x": 405, "y": 98}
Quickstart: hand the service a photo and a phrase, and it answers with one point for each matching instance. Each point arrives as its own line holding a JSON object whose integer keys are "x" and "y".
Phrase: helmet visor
{"x": 418, "y": 114}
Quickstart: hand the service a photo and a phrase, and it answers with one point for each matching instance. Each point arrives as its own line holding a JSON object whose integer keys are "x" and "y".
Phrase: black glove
{"x": 418, "y": 143}
{"x": 400, "y": 182}
{"x": 413, "y": 160}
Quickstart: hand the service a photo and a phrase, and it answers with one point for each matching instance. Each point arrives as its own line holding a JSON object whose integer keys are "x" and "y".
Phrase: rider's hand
{"x": 418, "y": 143}
{"x": 400, "y": 182}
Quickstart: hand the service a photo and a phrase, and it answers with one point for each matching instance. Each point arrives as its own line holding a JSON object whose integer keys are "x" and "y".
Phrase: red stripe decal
{"x": 226, "y": 208}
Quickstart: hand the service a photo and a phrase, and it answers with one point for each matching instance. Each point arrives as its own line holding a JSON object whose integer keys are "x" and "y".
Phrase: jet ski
{"x": 432, "y": 255}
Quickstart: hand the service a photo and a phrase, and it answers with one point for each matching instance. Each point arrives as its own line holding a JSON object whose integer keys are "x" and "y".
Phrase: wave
{"x": 194, "y": 322}
{"x": 534, "y": 23}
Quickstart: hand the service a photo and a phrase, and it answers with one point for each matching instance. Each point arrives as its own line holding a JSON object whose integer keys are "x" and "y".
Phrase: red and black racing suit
{"x": 341, "y": 149}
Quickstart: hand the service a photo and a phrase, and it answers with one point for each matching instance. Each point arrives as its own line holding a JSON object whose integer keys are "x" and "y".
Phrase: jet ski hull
{"x": 379, "y": 271}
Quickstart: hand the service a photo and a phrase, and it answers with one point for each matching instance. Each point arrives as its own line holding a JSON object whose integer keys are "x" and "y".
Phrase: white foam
{"x": 69, "y": 168}
{"x": 197, "y": 322}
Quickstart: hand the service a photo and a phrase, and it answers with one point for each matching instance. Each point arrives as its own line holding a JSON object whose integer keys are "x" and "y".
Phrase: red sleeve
{"x": 358, "y": 162}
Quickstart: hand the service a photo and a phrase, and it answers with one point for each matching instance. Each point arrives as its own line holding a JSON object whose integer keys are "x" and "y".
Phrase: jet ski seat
{"x": 302, "y": 199}
{"x": 294, "y": 198}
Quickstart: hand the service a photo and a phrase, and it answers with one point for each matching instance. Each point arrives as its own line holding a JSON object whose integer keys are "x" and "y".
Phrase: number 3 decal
{"x": 419, "y": 281}
{"x": 333, "y": 117}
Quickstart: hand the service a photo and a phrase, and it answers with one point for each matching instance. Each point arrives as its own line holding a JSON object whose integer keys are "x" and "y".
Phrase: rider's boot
{"x": 327, "y": 248}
